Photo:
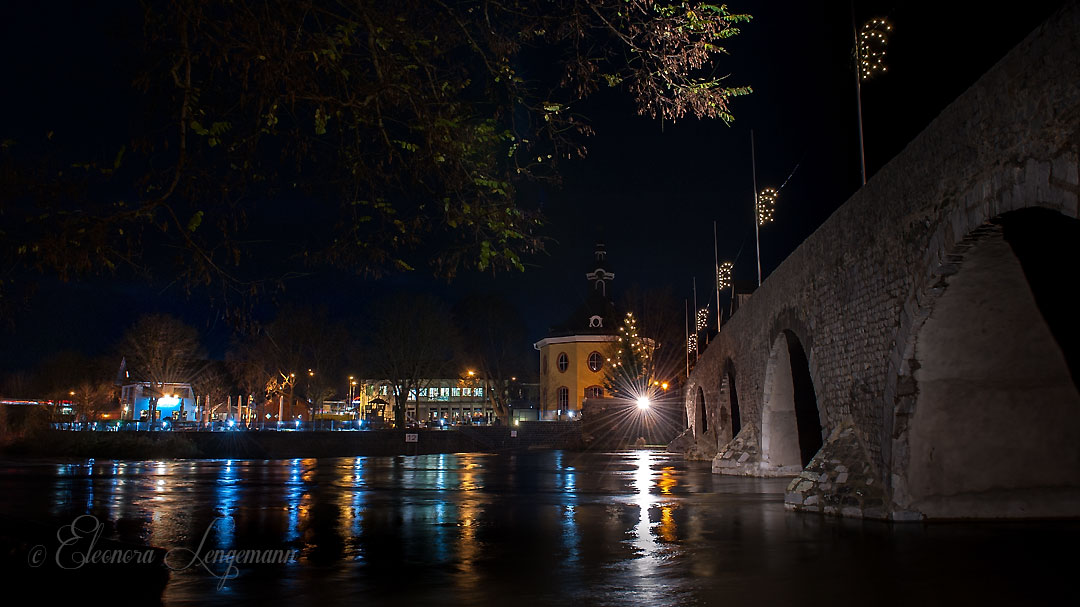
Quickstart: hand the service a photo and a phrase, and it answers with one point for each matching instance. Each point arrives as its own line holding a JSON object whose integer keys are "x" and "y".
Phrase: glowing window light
{"x": 723, "y": 274}
{"x": 766, "y": 205}
{"x": 873, "y": 39}
{"x": 168, "y": 401}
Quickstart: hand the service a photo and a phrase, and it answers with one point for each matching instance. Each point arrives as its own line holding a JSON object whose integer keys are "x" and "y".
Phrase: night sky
{"x": 650, "y": 190}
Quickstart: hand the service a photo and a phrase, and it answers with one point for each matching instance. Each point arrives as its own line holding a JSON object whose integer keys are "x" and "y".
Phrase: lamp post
{"x": 351, "y": 392}
{"x": 292, "y": 397}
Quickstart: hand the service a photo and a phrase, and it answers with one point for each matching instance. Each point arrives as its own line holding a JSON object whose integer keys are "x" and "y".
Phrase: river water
{"x": 546, "y": 528}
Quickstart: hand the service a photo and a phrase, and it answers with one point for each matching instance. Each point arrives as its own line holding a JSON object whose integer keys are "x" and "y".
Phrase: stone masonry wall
{"x": 856, "y": 290}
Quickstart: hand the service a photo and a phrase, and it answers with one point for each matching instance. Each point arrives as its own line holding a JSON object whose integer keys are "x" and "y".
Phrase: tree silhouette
{"x": 161, "y": 349}
{"x": 494, "y": 343}
{"x": 412, "y": 341}
{"x": 268, "y": 138}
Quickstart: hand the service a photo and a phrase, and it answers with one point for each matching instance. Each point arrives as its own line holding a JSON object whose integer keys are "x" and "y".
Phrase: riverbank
{"x": 278, "y": 445}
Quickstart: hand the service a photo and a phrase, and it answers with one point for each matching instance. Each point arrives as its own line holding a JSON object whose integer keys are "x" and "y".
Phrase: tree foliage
{"x": 368, "y": 135}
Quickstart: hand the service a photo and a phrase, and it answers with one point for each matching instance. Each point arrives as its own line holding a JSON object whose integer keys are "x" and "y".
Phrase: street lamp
{"x": 351, "y": 392}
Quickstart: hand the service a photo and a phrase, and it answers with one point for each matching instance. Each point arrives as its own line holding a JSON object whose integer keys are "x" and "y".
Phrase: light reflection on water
{"x": 641, "y": 528}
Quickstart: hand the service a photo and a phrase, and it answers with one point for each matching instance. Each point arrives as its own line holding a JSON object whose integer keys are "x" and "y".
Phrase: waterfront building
{"x": 175, "y": 402}
{"x": 574, "y": 355}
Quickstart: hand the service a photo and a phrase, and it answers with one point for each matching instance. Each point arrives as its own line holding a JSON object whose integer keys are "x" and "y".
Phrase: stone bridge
{"x": 918, "y": 356}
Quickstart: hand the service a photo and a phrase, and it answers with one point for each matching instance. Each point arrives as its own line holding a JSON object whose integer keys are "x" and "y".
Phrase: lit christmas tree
{"x": 630, "y": 372}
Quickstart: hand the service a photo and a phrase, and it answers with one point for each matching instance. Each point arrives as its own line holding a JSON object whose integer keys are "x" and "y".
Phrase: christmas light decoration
{"x": 873, "y": 39}
{"x": 723, "y": 275}
{"x": 691, "y": 344}
{"x": 766, "y": 205}
{"x": 702, "y": 318}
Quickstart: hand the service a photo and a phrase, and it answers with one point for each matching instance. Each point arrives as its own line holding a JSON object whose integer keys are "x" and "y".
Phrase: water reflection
{"x": 643, "y": 528}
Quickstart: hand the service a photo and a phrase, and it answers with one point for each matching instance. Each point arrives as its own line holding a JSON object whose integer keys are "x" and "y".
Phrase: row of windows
{"x": 439, "y": 393}
{"x": 563, "y": 394}
{"x": 595, "y": 362}
{"x": 434, "y": 393}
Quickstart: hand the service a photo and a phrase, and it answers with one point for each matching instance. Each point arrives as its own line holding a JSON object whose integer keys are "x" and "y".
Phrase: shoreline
{"x": 270, "y": 444}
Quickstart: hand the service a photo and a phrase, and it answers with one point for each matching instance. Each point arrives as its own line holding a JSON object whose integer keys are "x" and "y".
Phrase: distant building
{"x": 574, "y": 354}
{"x": 174, "y": 401}
{"x": 436, "y": 402}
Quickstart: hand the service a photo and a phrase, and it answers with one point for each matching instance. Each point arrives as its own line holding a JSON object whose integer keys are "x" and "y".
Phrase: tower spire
{"x": 599, "y": 277}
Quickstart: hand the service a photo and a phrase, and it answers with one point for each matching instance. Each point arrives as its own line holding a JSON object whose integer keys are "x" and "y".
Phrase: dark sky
{"x": 651, "y": 191}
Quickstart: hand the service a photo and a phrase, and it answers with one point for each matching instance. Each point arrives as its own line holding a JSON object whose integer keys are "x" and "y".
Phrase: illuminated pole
{"x": 757, "y": 237}
{"x": 686, "y": 325}
{"x": 696, "y": 328}
{"x": 724, "y": 274}
{"x": 716, "y": 264}
{"x": 870, "y": 44}
{"x": 858, "y": 95}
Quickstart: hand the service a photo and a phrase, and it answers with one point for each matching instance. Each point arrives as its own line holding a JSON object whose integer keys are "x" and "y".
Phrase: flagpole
{"x": 858, "y": 96}
{"x": 716, "y": 268}
{"x": 697, "y": 350}
{"x": 687, "y": 327}
{"x": 757, "y": 237}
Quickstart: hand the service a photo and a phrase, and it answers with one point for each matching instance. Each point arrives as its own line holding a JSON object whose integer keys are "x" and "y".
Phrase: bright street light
{"x": 643, "y": 403}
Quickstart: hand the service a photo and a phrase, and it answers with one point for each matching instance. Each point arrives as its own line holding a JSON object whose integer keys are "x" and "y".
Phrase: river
{"x": 545, "y": 528}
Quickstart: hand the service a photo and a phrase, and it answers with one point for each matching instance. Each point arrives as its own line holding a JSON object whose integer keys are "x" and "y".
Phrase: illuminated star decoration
{"x": 766, "y": 205}
{"x": 723, "y": 275}
{"x": 702, "y": 318}
{"x": 873, "y": 39}
{"x": 691, "y": 344}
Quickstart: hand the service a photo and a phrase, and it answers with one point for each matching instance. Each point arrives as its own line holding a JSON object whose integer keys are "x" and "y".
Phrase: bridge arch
{"x": 701, "y": 414}
{"x": 730, "y": 417}
{"x": 791, "y": 421}
{"x": 987, "y": 412}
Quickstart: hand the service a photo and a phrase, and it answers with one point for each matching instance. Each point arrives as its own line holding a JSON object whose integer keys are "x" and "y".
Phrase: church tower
{"x": 574, "y": 355}
{"x": 599, "y": 277}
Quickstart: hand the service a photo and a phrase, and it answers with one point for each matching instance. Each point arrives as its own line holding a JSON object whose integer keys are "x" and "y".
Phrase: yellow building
{"x": 575, "y": 355}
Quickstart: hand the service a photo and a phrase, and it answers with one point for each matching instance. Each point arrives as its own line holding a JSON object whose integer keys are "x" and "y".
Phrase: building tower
{"x": 575, "y": 353}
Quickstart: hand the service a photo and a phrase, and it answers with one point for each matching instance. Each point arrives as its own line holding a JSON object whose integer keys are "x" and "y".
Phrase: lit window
{"x": 423, "y": 391}
{"x": 596, "y": 362}
{"x": 563, "y": 362}
{"x": 382, "y": 390}
{"x": 444, "y": 392}
{"x": 594, "y": 392}
{"x": 455, "y": 391}
{"x": 564, "y": 397}
{"x": 479, "y": 393}
{"x": 412, "y": 395}
{"x": 466, "y": 391}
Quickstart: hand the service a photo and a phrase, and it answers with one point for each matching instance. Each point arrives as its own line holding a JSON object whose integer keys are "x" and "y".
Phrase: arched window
{"x": 564, "y": 397}
{"x": 596, "y": 362}
{"x": 594, "y": 392}
{"x": 563, "y": 362}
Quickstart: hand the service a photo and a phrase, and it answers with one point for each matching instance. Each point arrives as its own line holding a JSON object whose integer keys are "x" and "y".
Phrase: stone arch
{"x": 791, "y": 421}
{"x": 991, "y": 358}
{"x": 730, "y": 422}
